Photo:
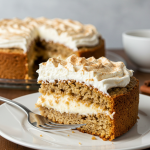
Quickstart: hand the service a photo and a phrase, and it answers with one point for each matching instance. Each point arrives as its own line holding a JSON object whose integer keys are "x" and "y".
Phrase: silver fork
{"x": 39, "y": 122}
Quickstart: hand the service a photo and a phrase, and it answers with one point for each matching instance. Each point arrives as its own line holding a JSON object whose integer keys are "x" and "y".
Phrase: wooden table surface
{"x": 14, "y": 93}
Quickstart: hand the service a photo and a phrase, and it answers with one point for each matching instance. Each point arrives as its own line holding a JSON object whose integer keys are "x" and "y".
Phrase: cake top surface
{"x": 15, "y": 33}
{"x": 101, "y": 73}
{"x": 68, "y": 26}
{"x": 20, "y": 33}
{"x": 15, "y": 26}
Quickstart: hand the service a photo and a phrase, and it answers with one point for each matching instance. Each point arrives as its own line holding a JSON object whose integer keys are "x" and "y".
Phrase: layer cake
{"x": 100, "y": 93}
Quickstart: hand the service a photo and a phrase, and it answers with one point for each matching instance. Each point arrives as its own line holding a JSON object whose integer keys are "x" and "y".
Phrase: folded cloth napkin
{"x": 145, "y": 89}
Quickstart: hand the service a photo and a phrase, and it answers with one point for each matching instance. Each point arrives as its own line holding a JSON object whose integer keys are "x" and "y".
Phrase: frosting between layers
{"x": 64, "y": 104}
{"x": 101, "y": 73}
{"x": 20, "y": 33}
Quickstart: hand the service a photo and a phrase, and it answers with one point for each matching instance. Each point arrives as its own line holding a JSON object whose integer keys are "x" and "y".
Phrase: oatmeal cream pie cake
{"x": 100, "y": 93}
{"x": 26, "y": 43}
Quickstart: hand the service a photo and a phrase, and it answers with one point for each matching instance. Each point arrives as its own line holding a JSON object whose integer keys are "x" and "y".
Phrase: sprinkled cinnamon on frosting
{"x": 20, "y": 33}
{"x": 101, "y": 73}
{"x": 14, "y": 33}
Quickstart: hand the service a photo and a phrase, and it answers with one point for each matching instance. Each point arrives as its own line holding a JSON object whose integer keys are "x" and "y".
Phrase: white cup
{"x": 137, "y": 46}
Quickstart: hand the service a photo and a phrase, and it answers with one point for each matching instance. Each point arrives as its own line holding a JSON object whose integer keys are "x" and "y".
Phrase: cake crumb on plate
{"x": 80, "y": 143}
{"x": 41, "y": 135}
{"x": 73, "y": 132}
{"x": 94, "y": 138}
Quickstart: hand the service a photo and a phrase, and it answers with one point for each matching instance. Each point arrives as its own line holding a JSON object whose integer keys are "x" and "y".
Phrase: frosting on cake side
{"x": 101, "y": 73}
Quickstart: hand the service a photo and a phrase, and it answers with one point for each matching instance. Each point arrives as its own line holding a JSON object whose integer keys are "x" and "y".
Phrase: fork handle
{"x": 22, "y": 107}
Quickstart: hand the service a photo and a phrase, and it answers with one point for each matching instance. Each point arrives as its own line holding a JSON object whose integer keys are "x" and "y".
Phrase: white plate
{"x": 14, "y": 127}
{"x": 114, "y": 57}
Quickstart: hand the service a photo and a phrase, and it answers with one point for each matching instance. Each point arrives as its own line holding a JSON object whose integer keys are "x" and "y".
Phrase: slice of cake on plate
{"x": 26, "y": 43}
{"x": 100, "y": 93}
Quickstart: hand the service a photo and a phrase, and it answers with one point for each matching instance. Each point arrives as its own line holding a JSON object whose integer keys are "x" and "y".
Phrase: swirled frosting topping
{"x": 14, "y": 33}
{"x": 101, "y": 73}
{"x": 71, "y": 33}
{"x": 20, "y": 33}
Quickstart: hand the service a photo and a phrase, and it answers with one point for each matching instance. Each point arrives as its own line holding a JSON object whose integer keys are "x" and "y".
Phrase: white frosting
{"x": 101, "y": 73}
{"x": 20, "y": 33}
{"x": 64, "y": 104}
{"x": 16, "y": 34}
{"x": 67, "y": 32}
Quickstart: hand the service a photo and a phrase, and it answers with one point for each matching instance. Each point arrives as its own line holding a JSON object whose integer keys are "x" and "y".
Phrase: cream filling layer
{"x": 66, "y": 104}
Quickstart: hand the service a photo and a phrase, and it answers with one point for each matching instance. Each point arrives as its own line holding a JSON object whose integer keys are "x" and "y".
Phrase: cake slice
{"x": 100, "y": 93}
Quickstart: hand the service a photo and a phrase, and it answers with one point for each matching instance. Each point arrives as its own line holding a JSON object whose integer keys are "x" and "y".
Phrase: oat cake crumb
{"x": 94, "y": 138}
{"x": 41, "y": 135}
{"x": 68, "y": 135}
{"x": 73, "y": 132}
{"x": 80, "y": 143}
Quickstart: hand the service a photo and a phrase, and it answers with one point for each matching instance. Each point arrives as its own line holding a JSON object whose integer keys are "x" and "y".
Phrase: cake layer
{"x": 59, "y": 50}
{"x": 18, "y": 62}
{"x": 95, "y": 51}
{"x": 96, "y": 124}
{"x": 123, "y": 101}
{"x": 84, "y": 94}
{"x": 101, "y": 73}
{"x": 68, "y": 104}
